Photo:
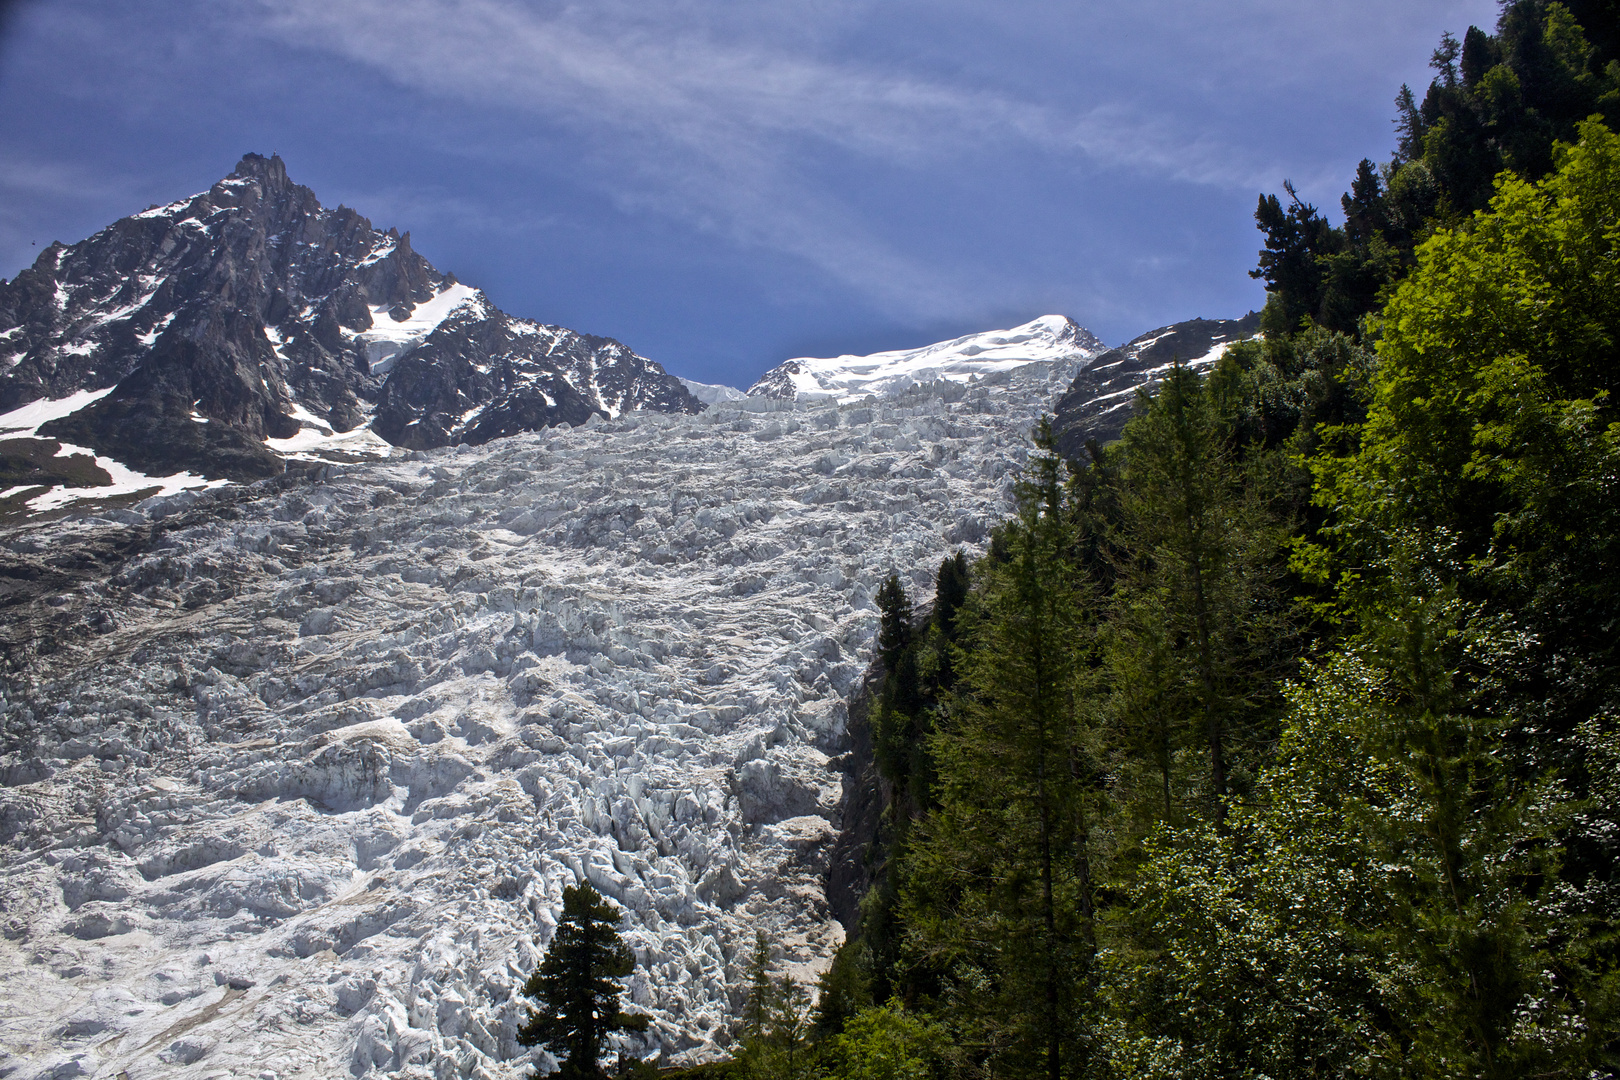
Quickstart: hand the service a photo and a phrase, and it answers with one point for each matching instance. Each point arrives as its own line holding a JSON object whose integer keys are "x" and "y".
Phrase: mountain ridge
{"x": 1054, "y": 339}
{"x": 1102, "y": 396}
{"x": 250, "y": 313}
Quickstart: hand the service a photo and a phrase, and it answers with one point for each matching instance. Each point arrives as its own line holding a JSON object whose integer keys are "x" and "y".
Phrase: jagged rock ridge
{"x": 1098, "y": 402}
{"x": 224, "y": 332}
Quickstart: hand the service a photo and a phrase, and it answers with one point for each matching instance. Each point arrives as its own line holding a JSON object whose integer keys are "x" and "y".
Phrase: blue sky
{"x": 723, "y": 184}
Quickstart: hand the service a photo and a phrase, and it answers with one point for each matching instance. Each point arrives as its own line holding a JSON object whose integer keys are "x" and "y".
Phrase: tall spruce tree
{"x": 1199, "y": 557}
{"x": 894, "y": 629}
{"x": 999, "y": 892}
{"x": 576, "y": 986}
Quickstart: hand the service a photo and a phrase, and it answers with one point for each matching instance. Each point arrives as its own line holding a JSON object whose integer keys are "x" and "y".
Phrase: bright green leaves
{"x": 888, "y": 1043}
{"x": 1488, "y": 458}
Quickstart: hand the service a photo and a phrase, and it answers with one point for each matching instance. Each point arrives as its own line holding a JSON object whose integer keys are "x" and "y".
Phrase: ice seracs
{"x": 1054, "y": 340}
{"x": 294, "y": 773}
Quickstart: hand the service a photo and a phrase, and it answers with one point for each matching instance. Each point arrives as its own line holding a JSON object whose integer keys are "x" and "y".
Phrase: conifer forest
{"x": 396, "y": 688}
{"x": 1281, "y": 737}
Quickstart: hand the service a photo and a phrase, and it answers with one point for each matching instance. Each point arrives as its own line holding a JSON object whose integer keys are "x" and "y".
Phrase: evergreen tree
{"x": 576, "y": 986}
{"x": 894, "y": 629}
{"x": 776, "y": 1019}
{"x": 1498, "y": 103}
{"x": 999, "y": 894}
{"x": 760, "y": 1004}
{"x": 1200, "y": 558}
{"x": 951, "y": 586}
{"x": 1298, "y": 238}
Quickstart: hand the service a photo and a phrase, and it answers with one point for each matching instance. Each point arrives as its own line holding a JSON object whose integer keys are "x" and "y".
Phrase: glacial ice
{"x": 299, "y": 795}
{"x": 1052, "y": 339}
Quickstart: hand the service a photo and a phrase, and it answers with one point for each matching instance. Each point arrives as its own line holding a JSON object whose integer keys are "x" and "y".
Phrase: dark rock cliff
{"x": 250, "y": 312}
{"x": 1099, "y": 401}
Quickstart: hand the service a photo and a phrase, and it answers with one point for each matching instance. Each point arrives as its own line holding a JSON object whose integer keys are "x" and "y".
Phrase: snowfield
{"x": 1051, "y": 339}
{"x": 295, "y": 791}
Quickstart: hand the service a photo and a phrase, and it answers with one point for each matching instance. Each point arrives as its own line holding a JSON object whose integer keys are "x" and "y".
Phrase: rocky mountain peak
{"x": 222, "y": 334}
{"x": 272, "y": 170}
{"x": 1100, "y": 399}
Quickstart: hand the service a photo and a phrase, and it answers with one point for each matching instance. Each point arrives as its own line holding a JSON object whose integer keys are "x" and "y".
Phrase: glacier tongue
{"x": 294, "y": 792}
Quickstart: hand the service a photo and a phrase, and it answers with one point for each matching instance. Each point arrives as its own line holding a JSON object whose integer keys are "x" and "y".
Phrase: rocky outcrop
{"x": 1099, "y": 400}
{"x": 251, "y": 313}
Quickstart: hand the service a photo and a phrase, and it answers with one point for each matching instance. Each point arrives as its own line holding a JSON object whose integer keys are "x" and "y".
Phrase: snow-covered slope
{"x": 1051, "y": 339}
{"x": 711, "y": 393}
{"x": 294, "y": 773}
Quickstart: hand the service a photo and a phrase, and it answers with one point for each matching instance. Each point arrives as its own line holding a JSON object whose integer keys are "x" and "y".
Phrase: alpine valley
{"x": 348, "y": 619}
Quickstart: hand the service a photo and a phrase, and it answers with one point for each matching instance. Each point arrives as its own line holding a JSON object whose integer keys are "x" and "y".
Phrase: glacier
{"x": 1055, "y": 340}
{"x": 294, "y": 772}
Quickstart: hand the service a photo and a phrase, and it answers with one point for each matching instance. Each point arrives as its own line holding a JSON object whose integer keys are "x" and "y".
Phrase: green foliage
{"x": 1387, "y": 913}
{"x": 1489, "y": 455}
{"x": 576, "y": 986}
{"x": 951, "y": 586}
{"x": 894, "y": 629}
{"x": 1194, "y": 612}
{"x": 888, "y": 1043}
{"x": 776, "y": 1022}
{"x": 1161, "y": 804}
{"x": 997, "y": 894}
{"x": 845, "y": 988}
{"x": 1499, "y": 103}
{"x": 759, "y": 1010}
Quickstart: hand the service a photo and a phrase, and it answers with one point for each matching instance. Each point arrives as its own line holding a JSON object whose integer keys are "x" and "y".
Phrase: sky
{"x": 725, "y": 184}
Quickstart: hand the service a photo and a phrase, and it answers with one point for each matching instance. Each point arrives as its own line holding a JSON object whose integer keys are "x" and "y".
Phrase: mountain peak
{"x": 272, "y": 170}
{"x": 220, "y": 335}
{"x": 1052, "y": 339}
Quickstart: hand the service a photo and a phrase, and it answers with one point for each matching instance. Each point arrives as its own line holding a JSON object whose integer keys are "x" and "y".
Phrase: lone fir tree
{"x": 894, "y": 631}
{"x": 576, "y": 986}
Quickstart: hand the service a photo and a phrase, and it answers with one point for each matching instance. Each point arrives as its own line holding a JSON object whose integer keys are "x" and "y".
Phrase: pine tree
{"x": 761, "y": 1004}
{"x": 577, "y": 987}
{"x": 776, "y": 1018}
{"x": 1201, "y": 555}
{"x": 894, "y": 632}
{"x": 950, "y": 592}
{"x": 999, "y": 892}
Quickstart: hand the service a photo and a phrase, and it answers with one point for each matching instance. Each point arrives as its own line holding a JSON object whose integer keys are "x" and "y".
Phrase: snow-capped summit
{"x": 220, "y": 335}
{"x": 1051, "y": 339}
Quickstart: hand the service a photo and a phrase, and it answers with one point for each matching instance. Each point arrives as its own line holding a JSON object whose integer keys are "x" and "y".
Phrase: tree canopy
{"x": 576, "y": 987}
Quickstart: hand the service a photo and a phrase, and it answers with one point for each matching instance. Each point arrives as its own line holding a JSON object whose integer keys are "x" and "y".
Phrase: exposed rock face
{"x": 1098, "y": 402}
{"x": 293, "y": 774}
{"x": 250, "y": 314}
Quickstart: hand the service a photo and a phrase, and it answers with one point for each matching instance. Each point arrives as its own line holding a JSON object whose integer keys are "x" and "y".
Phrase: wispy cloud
{"x": 714, "y": 125}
